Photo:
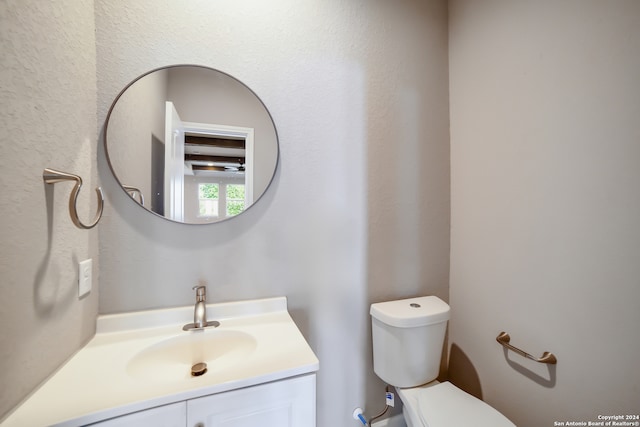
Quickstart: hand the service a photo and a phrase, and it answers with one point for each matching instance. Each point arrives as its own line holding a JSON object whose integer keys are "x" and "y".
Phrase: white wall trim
{"x": 231, "y": 131}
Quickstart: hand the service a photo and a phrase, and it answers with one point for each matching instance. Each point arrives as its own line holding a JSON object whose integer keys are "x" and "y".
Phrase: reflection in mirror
{"x": 191, "y": 144}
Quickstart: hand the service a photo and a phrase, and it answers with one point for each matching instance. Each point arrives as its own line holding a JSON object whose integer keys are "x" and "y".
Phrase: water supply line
{"x": 389, "y": 400}
{"x": 357, "y": 415}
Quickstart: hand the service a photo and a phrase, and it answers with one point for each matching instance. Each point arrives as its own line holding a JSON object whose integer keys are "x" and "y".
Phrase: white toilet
{"x": 408, "y": 338}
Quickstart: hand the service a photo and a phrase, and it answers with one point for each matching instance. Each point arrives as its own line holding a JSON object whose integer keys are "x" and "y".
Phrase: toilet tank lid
{"x": 411, "y": 312}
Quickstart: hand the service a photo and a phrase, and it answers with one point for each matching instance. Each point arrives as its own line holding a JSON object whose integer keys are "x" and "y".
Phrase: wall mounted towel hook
{"x": 52, "y": 176}
{"x": 133, "y": 191}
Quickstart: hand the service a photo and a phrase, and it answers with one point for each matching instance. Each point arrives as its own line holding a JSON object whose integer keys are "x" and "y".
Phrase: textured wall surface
{"x": 545, "y": 143}
{"x": 359, "y": 208}
{"x": 48, "y": 119}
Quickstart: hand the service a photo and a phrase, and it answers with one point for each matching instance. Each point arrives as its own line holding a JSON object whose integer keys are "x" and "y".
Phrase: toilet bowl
{"x": 408, "y": 337}
{"x": 445, "y": 405}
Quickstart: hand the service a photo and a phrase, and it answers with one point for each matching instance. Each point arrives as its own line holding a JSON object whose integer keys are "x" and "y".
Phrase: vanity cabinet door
{"x": 174, "y": 415}
{"x": 286, "y": 403}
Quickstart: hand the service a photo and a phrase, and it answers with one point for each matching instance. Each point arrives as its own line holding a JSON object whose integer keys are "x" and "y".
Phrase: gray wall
{"x": 545, "y": 144}
{"x": 359, "y": 208}
{"x": 48, "y": 119}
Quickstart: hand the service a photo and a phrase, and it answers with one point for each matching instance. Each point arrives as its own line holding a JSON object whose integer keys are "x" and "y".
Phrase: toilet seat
{"x": 445, "y": 405}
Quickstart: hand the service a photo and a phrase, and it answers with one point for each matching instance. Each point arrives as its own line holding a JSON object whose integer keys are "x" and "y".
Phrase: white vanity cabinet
{"x": 173, "y": 415}
{"x": 285, "y": 403}
{"x": 288, "y": 403}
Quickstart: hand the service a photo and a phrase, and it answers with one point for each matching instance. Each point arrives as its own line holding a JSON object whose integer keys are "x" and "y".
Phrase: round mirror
{"x": 191, "y": 144}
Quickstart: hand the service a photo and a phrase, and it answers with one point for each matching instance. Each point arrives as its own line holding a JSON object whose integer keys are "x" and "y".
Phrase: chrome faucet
{"x": 200, "y": 312}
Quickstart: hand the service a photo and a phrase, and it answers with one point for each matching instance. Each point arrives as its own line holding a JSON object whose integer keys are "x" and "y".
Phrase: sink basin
{"x": 142, "y": 360}
{"x": 172, "y": 359}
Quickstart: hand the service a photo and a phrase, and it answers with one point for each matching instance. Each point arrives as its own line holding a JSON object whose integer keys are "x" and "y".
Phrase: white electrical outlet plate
{"x": 84, "y": 277}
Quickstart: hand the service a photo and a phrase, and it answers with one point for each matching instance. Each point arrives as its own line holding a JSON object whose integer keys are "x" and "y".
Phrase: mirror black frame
{"x": 131, "y": 196}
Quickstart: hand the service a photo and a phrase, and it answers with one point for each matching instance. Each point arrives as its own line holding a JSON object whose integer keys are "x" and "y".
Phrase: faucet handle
{"x": 201, "y": 292}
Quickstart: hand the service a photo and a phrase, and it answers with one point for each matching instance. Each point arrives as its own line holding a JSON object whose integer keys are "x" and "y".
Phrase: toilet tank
{"x": 408, "y": 336}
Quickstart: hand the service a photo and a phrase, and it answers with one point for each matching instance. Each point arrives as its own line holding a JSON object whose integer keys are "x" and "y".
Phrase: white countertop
{"x": 97, "y": 383}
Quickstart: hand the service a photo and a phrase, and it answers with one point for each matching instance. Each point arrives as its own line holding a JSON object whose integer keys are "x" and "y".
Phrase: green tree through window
{"x": 235, "y": 199}
{"x": 208, "y": 196}
{"x": 217, "y": 198}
